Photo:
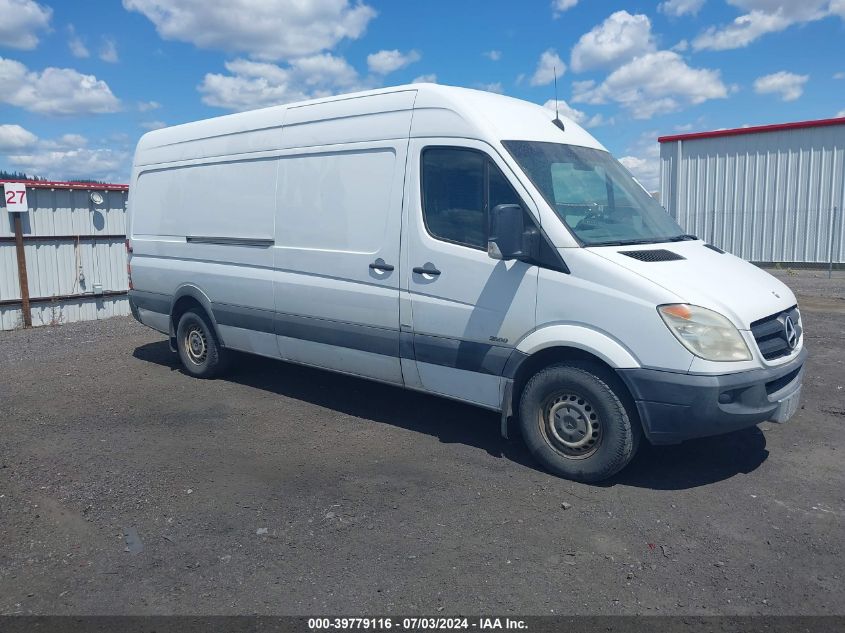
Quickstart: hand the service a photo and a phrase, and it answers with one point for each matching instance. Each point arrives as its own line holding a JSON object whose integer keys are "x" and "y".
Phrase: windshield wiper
{"x": 649, "y": 240}
{"x": 682, "y": 238}
{"x": 625, "y": 242}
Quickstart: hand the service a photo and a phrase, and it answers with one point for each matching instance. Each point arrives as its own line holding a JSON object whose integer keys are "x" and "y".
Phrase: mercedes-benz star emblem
{"x": 790, "y": 333}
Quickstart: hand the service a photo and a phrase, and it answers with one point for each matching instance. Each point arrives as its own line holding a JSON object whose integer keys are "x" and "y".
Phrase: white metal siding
{"x": 53, "y": 266}
{"x": 766, "y": 197}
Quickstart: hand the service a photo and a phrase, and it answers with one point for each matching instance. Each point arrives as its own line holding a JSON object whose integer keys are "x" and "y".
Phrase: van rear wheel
{"x": 198, "y": 347}
{"x": 575, "y": 424}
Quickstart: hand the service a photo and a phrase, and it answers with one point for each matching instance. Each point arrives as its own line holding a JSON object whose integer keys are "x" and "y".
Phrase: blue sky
{"x": 83, "y": 80}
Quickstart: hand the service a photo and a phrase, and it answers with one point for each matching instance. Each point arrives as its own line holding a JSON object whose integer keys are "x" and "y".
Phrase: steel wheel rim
{"x": 196, "y": 345}
{"x": 571, "y": 425}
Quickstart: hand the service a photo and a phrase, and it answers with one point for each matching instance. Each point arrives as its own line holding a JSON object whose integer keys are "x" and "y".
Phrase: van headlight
{"x": 705, "y": 333}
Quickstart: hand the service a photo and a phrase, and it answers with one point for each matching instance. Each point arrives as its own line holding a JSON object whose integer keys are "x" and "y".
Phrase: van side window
{"x": 453, "y": 195}
{"x": 456, "y": 201}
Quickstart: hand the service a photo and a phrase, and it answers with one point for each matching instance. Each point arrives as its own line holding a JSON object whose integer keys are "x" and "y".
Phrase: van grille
{"x": 655, "y": 255}
{"x": 770, "y": 333}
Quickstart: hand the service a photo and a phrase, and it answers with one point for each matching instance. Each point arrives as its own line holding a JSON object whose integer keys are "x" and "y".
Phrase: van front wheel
{"x": 199, "y": 350}
{"x": 575, "y": 424}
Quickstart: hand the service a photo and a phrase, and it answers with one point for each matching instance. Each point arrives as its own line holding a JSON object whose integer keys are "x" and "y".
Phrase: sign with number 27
{"x": 15, "y": 196}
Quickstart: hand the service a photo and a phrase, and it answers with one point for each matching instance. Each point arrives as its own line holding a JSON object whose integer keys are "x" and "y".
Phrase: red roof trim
{"x": 91, "y": 186}
{"x": 753, "y": 130}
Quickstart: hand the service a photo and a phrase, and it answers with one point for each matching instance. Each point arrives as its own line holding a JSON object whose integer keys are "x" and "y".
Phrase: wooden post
{"x": 22, "y": 278}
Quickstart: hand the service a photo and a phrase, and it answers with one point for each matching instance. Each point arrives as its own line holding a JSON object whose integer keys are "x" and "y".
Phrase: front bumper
{"x": 675, "y": 407}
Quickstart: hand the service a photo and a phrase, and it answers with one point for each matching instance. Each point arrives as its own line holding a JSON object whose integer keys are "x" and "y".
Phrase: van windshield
{"x": 594, "y": 195}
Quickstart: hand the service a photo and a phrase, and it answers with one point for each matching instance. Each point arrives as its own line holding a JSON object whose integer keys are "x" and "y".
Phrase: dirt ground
{"x": 287, "y": 490}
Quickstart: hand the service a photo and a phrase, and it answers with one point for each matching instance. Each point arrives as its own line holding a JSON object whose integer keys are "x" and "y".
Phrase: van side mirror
{"x": 509, "y": 238}
{"x": 506, "y": 229}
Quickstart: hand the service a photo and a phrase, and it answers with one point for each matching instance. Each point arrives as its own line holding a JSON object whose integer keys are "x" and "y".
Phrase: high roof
{"x": 439, "y": 110}
{"x": 758, "y": 129}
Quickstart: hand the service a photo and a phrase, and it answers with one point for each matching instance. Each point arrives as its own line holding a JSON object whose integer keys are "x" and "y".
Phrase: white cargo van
{"x": 465, "y": 244}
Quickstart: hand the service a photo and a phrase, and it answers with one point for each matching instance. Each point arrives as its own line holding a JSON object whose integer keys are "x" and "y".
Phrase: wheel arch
{"x": 566, "y": 344}
{"x": 597, "y": 343}
{"x": 186, "y": 297}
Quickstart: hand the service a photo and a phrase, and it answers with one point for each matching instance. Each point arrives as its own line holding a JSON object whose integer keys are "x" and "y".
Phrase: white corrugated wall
{"x": 767, "y": 196}
{"x": 66, "y": 266}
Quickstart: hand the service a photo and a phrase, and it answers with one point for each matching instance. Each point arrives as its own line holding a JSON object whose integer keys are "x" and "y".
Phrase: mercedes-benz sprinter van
{"x": 465, "y": 244}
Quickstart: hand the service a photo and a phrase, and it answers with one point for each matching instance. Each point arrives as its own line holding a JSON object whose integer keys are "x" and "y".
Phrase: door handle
{"x": 426, "y": 271}
{"x": 381, "y": 266}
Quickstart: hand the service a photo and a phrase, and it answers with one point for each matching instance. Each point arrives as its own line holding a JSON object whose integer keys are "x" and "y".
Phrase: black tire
{"x": 199, "y": 349}
{"x": 576, "y": 425}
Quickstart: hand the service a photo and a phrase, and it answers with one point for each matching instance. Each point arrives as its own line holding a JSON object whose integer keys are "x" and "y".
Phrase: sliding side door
{"x": 336, "y": 277}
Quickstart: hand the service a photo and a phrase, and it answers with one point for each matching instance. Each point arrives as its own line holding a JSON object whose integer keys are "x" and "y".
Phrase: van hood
{"x": 719, "y": 281}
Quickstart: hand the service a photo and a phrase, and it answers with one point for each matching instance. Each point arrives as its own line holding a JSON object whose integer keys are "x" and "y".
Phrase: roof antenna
{"x": 557, "y": 120}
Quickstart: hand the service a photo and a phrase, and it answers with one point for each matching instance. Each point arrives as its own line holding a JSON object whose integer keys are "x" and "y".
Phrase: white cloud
{"x": 65, "y": 141}
{"x": 839, "y": 75}
{"x": 258, "y": 84}
{"x": 841, "y": 113}
{"x": 619, "y": 38}
{"x": 64, "y": 157}
{"x": 20, "y": 22}
{"x": 76, "y": 44}
{"x": 741, "y": 32}
{"x": 326, "y": 70}
{"x": 269, "y": 30}
{"x": 788, "y": 85}
{"x": 655, "y": 83}
{"x": 765, "y": 16}
{"x": 493, "y": 55}
{"x": 108, "y": 51}
{"x": 385, "y": 62}
{"x": 431, "y": 78}
{"x": 559, "y": 6}
{"x": 99, "y": 164}
{"x": 549, "y": 66}
{"x": 146, "y": 106}
{"x": 580, "y": 117}
{"x": 153, "y": 125}
{"x": 579, "y": 87}
{"x": 72, "y": 140}
{"x": 678, "y": 8}
{"x": 14, "y": 137}
{"x": 804, "y": 10}
{"x": 55, "y": 91}
{"x": 492, "y": 87}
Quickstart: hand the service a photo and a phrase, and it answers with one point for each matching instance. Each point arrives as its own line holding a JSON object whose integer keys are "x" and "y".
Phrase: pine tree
{"x": 17, "y": 175}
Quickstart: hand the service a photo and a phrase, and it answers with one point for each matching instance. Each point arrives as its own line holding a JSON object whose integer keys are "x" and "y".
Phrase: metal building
{"x": 70, "y": 243}
{"x": 772, "y": 193}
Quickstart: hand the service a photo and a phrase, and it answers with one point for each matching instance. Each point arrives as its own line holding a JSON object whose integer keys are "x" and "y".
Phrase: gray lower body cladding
{"x": 674, "y": 407}
{"x": 436, "y": 350}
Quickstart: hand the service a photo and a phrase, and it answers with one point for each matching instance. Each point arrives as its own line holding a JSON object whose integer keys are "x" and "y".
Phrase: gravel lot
{"x": 293, "y": 491}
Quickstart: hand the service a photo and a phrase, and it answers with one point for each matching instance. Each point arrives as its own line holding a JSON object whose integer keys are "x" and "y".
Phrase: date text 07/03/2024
{"x": 417, "y": 623}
